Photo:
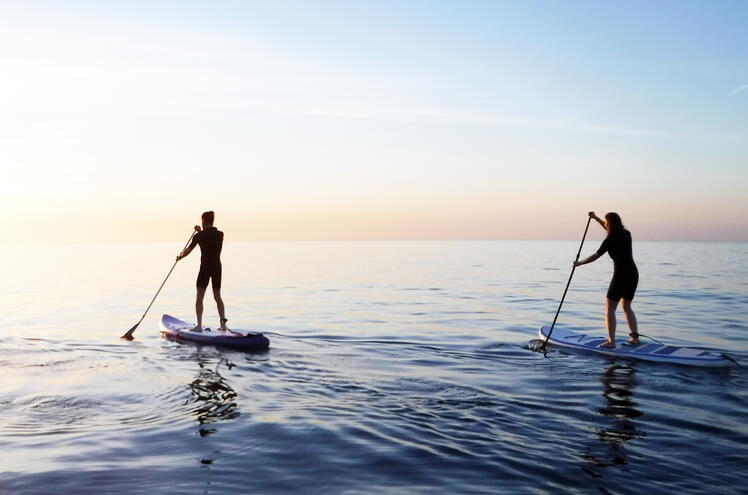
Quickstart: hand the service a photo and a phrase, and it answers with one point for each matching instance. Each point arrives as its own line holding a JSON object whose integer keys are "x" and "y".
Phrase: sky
{"x": 123, "y": 121}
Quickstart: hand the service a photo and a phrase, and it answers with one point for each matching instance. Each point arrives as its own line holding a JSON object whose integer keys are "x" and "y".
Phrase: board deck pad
{"x": 645, "y": 351}
{"x": 177, "y": 329}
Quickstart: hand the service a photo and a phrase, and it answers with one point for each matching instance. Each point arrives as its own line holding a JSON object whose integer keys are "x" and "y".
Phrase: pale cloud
{"x": 407, "y": 113}
{"x": 738, "y": 89}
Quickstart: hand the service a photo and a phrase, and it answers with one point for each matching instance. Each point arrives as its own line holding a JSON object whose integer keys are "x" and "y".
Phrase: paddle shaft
{"x": 567, "y": 285}
{"x": 128, "y": 334}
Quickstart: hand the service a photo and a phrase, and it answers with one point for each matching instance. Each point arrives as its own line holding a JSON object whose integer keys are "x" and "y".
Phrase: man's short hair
{"x": 208, "y": 217}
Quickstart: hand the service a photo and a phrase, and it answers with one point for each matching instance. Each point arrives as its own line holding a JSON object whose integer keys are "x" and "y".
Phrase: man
{"x": 210, "y": 240}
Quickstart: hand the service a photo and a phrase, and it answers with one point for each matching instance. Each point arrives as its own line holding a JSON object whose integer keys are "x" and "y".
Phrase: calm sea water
{"x": 395, "y": 367}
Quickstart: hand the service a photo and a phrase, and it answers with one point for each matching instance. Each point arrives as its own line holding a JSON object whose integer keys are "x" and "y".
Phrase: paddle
{"x": 543, "y": 347}
{"x": 128, "y": 334}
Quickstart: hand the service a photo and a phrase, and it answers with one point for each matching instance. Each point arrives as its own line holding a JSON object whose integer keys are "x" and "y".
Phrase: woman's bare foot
{"x": 197, "y": 328}
{"x": 608, "y": 345}
{"x": 634, "y": 340}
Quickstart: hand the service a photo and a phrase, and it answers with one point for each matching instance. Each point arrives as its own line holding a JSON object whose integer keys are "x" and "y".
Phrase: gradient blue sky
{"x": 373, "y": 120}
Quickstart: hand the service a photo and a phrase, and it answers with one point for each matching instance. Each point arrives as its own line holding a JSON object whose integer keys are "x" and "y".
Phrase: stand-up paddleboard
{"x": 645, "y": 350}
{"x": 177, "y": 329}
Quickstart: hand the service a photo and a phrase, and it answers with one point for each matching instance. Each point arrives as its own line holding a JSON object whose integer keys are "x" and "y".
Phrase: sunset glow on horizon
{"x": 379, "y": 120}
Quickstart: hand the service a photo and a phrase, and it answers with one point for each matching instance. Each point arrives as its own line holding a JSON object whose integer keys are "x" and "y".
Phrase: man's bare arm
{"x": 189, "y": 248}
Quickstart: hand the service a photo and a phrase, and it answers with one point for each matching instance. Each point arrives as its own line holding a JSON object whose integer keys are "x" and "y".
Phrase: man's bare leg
{"x": 199, "y": 308}
{"x": 221, "y": 309}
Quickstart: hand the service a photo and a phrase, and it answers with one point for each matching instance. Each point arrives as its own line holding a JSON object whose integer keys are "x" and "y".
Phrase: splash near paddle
{"x": 176, "y": 329}
{"x": 645, "y": 351}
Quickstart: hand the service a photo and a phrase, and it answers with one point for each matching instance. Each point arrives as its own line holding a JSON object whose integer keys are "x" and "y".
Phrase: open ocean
{"x": 394, "y": 367}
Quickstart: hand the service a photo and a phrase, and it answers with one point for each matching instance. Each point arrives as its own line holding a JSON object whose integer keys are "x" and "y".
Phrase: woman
{"x": 625, "y": 276}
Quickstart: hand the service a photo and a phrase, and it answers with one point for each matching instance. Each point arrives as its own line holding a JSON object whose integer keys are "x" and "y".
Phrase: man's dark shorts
{"x": 209, "y": 272}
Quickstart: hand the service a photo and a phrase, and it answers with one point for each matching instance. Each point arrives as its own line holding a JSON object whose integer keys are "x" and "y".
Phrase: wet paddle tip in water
{"x": 129, "y": 334}
{"x": 535, "y": 345}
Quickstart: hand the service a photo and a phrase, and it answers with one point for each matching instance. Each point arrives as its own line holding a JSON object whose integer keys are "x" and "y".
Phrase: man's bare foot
{"x": 608, "y": 345}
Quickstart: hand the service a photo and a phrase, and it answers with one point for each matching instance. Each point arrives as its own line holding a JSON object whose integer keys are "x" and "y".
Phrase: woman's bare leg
{"x": 610, "y": 323}
{"x": 631, "y": 319}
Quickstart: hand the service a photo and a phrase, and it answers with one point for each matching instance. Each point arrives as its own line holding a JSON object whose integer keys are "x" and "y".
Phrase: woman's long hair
{"x": 614, "y": 223}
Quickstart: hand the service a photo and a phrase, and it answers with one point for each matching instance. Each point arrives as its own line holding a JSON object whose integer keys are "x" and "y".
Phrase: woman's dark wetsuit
{"x": 211, "y": 243}
{"x": 625, "y": 273}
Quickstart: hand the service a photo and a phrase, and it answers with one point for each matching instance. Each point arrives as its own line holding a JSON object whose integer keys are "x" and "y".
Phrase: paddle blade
{"x": 536, "y": 345}
{"x": 128, "y": 334}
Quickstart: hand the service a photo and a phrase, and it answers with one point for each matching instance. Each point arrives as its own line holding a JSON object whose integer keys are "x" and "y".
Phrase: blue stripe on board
{"x": 646, "y": 348}
{"x": 594, "y": 342}
{"x": 667, "y": 350}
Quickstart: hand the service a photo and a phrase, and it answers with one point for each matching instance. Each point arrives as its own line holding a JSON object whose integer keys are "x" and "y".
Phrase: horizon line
{"x": 72, "y": 242}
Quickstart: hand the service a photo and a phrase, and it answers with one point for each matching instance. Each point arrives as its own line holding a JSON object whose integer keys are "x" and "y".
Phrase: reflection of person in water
{"x": 215, "y": 397}
{"x": 618, "y": 381}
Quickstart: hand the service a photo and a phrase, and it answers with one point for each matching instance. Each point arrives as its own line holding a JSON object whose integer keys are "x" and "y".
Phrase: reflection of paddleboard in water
{"x": 177, "y": 329}
{"x": 645, "y": 351}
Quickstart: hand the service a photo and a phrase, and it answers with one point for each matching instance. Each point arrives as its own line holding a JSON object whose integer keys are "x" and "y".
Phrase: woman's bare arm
{"x": 588, "y": 259}
{"x": 598, "y": 219}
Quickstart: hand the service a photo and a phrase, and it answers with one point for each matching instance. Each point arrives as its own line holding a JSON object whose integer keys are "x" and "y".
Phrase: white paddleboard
{"x": 177, "y": 329}
{"x": 647, "y": 351}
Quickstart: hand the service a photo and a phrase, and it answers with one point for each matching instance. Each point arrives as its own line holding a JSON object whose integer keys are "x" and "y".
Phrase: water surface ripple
{"x": 394, "y": 367}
